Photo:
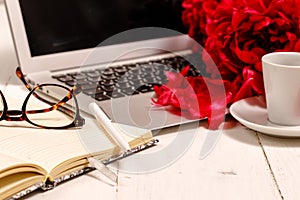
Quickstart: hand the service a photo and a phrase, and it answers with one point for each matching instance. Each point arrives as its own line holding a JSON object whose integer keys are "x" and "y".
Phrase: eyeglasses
{"x": 45, "y": 111}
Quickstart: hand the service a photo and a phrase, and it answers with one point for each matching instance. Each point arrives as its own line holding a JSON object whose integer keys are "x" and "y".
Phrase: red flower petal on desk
{"x": 194, "y": 97}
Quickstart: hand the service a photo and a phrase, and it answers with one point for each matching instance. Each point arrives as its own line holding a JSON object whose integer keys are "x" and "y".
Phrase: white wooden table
{"x": 243, "y": 165}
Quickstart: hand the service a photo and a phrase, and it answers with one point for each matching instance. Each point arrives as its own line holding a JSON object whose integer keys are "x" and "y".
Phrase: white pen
{"x": 108, "y": 126}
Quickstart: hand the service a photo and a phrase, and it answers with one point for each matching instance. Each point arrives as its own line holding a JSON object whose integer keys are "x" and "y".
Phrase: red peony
{"x": 195, "y": 97}
{"x": 236, "y": 34}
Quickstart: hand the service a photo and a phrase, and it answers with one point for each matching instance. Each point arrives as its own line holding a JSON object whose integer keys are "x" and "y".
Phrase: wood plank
{"x": 284, "y": 158}
{"x": 235, "y": 169}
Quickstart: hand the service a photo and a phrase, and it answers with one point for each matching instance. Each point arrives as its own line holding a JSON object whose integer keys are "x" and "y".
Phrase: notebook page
{"x": 10, "y": 163}
{"x": 48, "y": 148}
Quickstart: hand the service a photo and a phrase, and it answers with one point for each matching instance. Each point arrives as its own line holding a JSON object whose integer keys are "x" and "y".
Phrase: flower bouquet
{"x": 235, "y": 34}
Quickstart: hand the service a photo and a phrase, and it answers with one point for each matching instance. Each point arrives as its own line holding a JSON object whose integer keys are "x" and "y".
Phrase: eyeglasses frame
{"x": 8, "y": 115}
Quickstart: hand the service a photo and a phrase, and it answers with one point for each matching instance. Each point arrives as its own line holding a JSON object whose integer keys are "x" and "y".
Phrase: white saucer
{"x": 252, "y": 113}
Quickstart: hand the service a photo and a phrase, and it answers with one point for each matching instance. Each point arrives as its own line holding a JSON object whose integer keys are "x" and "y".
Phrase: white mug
{"x": 281, "y": 72}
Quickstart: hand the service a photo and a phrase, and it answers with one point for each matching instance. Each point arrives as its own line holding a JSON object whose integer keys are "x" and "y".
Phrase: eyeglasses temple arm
{"x": 22, "y": 78}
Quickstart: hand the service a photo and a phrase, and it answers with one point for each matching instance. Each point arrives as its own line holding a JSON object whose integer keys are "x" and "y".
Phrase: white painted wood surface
{"x": 243, "y": 165}
{"x": 235, "y": 169}
{"x": 284, "y": 157}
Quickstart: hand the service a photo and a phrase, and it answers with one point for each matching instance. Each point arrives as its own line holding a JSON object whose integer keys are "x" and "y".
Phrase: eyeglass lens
{"x": 45, "y": 112}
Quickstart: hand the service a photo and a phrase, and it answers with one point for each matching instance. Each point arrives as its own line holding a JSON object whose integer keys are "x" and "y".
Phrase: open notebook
{"x": 32, "y": 158}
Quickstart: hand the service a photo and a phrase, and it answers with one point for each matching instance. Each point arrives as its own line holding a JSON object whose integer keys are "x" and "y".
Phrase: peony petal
{"x": 248, "y": 57}
{"x": 257, "y": 5}
{"x": 297, "y": 46}
{"x": 238, "y": 17}
{"x": 262, "y": 24}
{"x": 185, "y": 71}
{"x": 245, "y": 91}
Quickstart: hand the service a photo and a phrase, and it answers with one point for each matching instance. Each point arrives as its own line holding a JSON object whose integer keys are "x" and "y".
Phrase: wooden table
{"x": 244, "y": 164}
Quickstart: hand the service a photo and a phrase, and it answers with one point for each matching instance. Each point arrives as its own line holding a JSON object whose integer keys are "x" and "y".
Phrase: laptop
{"x": 98, "y": 41}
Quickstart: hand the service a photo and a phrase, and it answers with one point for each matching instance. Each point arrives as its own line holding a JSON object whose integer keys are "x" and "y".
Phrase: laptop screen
{"x": 64, "y": 25}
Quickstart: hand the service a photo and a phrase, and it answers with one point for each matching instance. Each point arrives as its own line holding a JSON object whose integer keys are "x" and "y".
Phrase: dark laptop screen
{"x": 54, "y": 26}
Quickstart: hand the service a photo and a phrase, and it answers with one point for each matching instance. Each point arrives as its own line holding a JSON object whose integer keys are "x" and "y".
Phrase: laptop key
{"x": 58, "y": 76}
{"x": 93, "y": 74}
{"x": 134, "y": 77}
{"x": 94, "y": 79}
{"x": 109, "y": 77}
{"x": 146, "y": 68}
{"x": 93, "y": 92}
{"x": 65, "y": 78}
{"x": 81, "y": 82}
{"x": 135, "y": 71}
{"x": 150, "y": 80}
{"x": 77, "y": 82}
{"x": 123, "y": 79}
{"x": 130, "y": 67}
{"x": 148, "y": 74}
{"x": 114, "y": 94}
{"x": 129, "y": 91}
{"x": 145, "y": 88}
{"x": 89, "y": 86}
{"x": 89, "y": 92}
{"x": 122, "y": 85}
{"x": 107, "y": 72}
{"x": 72, "y": 74}
{"x": 121, "y": 70}
{"x": 107, "y": 82}
{"x": 136, "y": 82}
{"x": 101, "y": 97}
{"x": 71, "y": 83}
{"x": 79, "y": 77}
{"x": 108, "y": 88}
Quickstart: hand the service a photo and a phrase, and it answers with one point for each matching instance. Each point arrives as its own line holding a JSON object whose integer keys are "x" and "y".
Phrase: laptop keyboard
{"x": 130, "y": 79}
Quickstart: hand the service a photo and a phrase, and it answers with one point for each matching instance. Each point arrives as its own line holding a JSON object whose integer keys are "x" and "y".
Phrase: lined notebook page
{"x": 7, "y": 162}
{"x": 48, "y": 148}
